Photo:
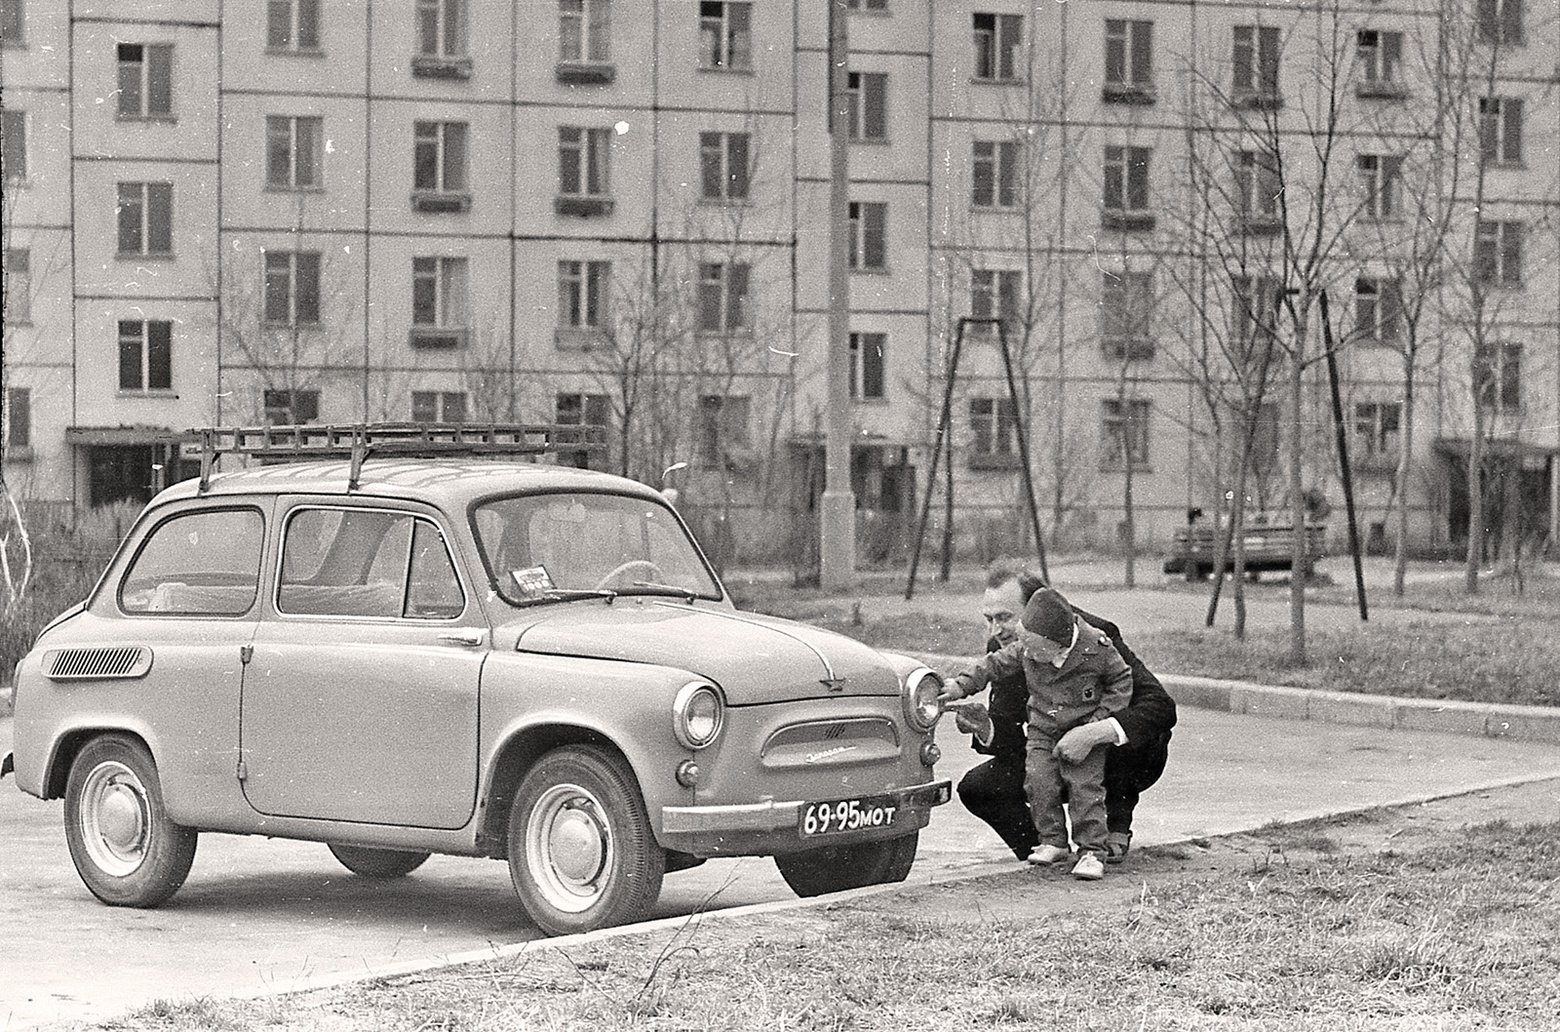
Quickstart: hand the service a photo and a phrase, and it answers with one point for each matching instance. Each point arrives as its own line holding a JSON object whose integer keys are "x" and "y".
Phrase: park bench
{"x": 1267, "y": 547}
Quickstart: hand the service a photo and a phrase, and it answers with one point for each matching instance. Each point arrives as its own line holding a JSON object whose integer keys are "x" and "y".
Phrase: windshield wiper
{"x": 643, "y": 587}
{"x": 568, "y": 595}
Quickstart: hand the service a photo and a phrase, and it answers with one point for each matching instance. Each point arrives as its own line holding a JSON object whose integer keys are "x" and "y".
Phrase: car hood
{"x": 754, "y": 659}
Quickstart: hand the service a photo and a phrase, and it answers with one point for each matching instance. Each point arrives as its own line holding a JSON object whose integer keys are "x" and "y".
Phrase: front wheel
{"x": 837, "y": 868}
{"x": 377, "y": 863}
{"x": 582, "y": 854}
{"x": 126, "y": 849}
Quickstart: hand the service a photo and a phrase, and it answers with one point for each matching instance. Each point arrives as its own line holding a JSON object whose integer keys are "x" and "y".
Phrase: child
{"x": 1075, "y": 675}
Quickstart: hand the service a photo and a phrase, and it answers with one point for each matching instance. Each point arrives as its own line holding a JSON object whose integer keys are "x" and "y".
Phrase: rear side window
{"x": 197, "y": 564}
{"x": 368, "y": 563}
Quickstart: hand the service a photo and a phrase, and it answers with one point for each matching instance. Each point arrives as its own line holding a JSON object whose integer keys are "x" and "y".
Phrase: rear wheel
{"x": 837, "y": 868}
{"x": 582, "y": 854}
{"x": 126, "y": 849}
{"x": 378, "y": 863}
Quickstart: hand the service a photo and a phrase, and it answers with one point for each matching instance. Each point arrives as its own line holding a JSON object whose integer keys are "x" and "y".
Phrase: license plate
{"x": 830, "y": 818}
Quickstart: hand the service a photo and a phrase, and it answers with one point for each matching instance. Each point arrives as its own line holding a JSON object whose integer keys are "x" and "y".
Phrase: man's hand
{"x": 1082, "y": 740}
{"x": 973, "y": 719}
{"x": 952, "y": 691}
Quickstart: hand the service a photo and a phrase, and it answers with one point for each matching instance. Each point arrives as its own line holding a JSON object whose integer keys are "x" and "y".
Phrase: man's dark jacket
{"x": 1148, "y": 717}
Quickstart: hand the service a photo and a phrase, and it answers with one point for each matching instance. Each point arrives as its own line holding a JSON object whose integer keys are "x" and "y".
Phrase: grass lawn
{"x": 1403, "y": 919}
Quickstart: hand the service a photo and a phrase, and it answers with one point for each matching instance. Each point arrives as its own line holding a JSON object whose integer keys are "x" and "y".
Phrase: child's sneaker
{"x": 1117, "y": 843}
{"x": 1089, "y": 868}
{"x": 1048, "y": 854}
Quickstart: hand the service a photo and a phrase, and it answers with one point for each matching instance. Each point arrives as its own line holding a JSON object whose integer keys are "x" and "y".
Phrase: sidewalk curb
{"x": 1483, "y": 719}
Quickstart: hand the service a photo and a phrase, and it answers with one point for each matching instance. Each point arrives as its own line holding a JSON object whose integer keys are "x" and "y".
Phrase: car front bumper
{"x": 763, "y": 829}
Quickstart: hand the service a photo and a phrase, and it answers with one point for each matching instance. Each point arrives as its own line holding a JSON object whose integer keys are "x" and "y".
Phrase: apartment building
{"x": 614, "y": 212}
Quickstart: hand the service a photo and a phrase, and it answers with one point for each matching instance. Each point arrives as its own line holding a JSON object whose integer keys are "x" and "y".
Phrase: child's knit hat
{"x": 1049, "y": 615}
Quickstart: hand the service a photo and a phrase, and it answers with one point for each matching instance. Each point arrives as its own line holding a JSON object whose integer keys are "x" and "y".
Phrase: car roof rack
{"x": 358, "y": 441}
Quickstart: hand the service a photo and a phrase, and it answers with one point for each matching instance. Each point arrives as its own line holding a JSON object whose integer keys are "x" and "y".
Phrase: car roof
{"x": 449, "y": 483}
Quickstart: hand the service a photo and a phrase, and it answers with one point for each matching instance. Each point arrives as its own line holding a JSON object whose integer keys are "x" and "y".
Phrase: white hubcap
{"x": 569, "y": 848}
{"x": 115, "y": 818}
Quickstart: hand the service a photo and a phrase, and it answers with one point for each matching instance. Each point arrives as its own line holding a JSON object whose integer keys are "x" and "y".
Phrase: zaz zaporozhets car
{"x": 409, "y": 644}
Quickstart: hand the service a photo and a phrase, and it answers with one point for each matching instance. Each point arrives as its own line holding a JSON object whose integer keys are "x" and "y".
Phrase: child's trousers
{"x": 1045, "y": 777}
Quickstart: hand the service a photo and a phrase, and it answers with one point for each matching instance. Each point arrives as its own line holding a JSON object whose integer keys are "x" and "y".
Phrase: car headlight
{"x": 698, "y": 713}
{"x": 922, "y": 706}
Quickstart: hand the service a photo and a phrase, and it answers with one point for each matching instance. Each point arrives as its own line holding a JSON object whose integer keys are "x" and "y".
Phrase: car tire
{"x": 369, "y": 862}
{"x": 582, "y": 854}
{"x": 814, "y": 872}
{"x": 126, "y": 849}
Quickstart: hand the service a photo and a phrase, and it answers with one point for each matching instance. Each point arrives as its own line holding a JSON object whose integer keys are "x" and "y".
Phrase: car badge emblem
{"x": 819, "y": 757}
{"x": 834, "y": 684}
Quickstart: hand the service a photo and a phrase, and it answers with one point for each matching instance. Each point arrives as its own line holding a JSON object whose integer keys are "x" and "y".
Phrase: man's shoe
{"x": 1089, "y": 868}
{"x": 1048, "y": 854}
{"x": 1117, "y": 843}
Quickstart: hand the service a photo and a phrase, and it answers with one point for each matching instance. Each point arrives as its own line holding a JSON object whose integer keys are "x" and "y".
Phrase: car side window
{"x": 367, "y": 563}
{"x": 197, "y": 564}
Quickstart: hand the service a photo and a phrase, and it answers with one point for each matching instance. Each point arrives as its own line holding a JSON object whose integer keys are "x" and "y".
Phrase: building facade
{"x": 601, "y": 211}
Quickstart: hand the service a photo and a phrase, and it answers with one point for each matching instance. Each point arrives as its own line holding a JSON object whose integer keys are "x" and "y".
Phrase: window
{"x": 995, "y": 175}
{"x": 1126, "y": 188}
{"x": 1381, "y": 180}
{"x": 1123, "y": 433}
{"x": 869, "y": 235}
{"x": 18, "y": 286}
{"x": 396, "y": 567}
{"x": 1129, "y": 61}
{"x": 1378, "y": 309}
{"x": 584, "y": 171}
{"x": 997, "y": 38}
{"x": 1255, "y": 59}
{"x": 725, "y": 35}
{"x": 723, "y": 297}
{"x": 867, "y": 94}
{"x": 994, "y": 294}
{"x": 866, "y": 365}
{"x": 992, "y": 430}
{"x": 1497, "y": 254}
{"x": 723, "y": 166}
{"x": 1497, "y": 376}
{"x": 439, "y": 166}
{"x": 1500, "y": 130}
{"x": 292, "y": 288}
{"x": 145, "y": 355}
{"x": 293, "y": 149}
{"x": 438, "y": 302}
{"x": 145, "y": 219}
{"x": 583, "y": 410}
{"x": 13, "y": 26}
{"x": 438, "y": 406}
{"x": 13, "y": 145}
{"x": 723, "y": 429}
{"x": 197, "y": 564}
{"x": 584, "y": 31}
{"x": 18, "y": 420}
{"x": 1500, "y": 21}
{"x": 291, "y": 407}
{"x": 145, "y": 80}
{"x": 1255, "y": 308}
{"x": 1257, "y": 192}
{"x": 1379, "y": 57}
{"x": 582, "y": 298}
{"x": 1376, "y": 427}
{"x": 293, "y": 26}
{"x": 1126, "y": 315}
{"x": 441, "y": 40}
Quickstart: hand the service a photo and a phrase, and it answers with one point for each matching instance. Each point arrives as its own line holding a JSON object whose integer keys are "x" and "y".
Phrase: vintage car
{"x": 477, "y": 655}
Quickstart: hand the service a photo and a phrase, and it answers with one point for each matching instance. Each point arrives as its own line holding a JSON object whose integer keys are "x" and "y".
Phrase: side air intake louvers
{"x": 96, "y": 664}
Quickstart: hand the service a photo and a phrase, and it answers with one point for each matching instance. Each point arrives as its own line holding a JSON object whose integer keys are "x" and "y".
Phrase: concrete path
{"x": 258, "y": 914}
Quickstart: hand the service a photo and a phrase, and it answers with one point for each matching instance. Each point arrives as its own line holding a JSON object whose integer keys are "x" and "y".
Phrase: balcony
{"x": 581, "y": 206}
{"x": 437, "y": 66}
{"x": 585, "y": 73}
{"x": 1134, "y": 93}
{"x": 441, "y": 202}
{"x": 1380, "y": 89}
{"x": 1260, "y": 225}
{"x": 437, "y": 338}
{"x": 1128, "y": 349}
{"x": 1127, "y": 221}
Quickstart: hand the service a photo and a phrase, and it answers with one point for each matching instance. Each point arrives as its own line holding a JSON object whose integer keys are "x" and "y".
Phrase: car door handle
{"x": 469, "y": 638}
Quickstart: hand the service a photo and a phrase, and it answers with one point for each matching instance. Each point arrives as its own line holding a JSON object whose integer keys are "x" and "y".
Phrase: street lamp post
{"x": 837, "y": 530}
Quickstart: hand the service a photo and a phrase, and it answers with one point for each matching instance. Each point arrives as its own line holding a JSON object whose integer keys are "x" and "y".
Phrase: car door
{"x": 360, "y": 698}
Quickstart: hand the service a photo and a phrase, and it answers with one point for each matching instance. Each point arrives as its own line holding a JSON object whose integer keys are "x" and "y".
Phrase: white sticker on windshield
{"x": 532, "y": 582}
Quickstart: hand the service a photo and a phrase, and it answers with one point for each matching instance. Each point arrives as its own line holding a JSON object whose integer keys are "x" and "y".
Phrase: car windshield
{"x": 551, "y": 547}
